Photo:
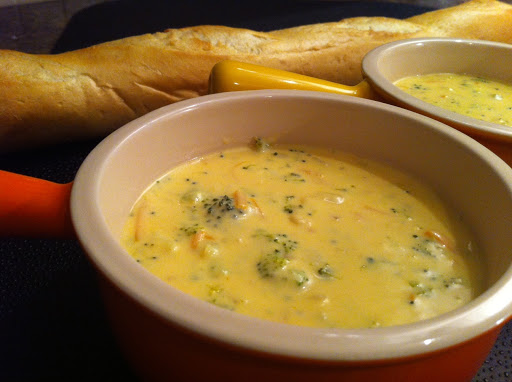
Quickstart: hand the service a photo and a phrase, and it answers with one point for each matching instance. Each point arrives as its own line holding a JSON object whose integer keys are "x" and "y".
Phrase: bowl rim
{"x": 333, "y": 345}
{"x": 384, "y": 86}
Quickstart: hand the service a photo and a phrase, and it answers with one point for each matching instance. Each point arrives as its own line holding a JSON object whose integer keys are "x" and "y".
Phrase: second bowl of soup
{"x": 466, "y": 84}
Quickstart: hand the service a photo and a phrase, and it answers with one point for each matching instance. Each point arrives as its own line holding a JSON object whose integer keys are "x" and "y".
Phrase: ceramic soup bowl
{"x": 169, "y": 335}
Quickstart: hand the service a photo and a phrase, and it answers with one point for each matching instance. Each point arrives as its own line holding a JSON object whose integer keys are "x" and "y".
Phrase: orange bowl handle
{"x": 34, "y": 207}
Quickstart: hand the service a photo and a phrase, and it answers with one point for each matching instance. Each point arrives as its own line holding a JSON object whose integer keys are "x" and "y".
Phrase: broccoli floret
{"x": 275, "y": 266}
{"x": 218, "y": 296}
{"x": 271, "y": 264}
{"x": 222, "y": 206}
{"x": 429, "y": 248}
{"x": 325, "y": 271}
{"x": 259, "y": 144}
{"x": 420, "y": 289}
{"x": 192, "y": 197}
{"x": 299, "y": 277}
{"x": 191, "y": 230}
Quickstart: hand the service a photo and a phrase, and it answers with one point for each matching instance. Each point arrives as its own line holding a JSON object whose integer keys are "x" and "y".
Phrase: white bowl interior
{"x": 391, "y": 62}
{"x": 469, "y": 177}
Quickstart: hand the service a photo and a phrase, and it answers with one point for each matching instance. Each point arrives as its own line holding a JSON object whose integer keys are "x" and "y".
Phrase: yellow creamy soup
{"x": 474, "y": 97}
{"x": 304, "y": 236}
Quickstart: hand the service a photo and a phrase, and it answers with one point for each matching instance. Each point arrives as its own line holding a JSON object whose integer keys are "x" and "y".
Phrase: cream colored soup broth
{"x": 304, "y": 236}
{"x": 474, "y": 97}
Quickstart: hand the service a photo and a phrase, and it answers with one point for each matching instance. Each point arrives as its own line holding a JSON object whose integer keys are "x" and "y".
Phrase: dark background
{"x": 52, "y": 323}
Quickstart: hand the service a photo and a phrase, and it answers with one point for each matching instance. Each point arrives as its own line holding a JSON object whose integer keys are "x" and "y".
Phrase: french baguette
{"x": 88, "y": 93}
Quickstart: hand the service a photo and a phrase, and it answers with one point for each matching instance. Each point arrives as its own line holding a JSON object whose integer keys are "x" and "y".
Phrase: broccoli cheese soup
{"x": 474, "y": 97}
{"x": 304, "y": 236}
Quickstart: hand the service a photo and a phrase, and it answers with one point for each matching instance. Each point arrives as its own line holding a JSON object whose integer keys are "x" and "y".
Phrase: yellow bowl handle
{"x": 231, "y": 75}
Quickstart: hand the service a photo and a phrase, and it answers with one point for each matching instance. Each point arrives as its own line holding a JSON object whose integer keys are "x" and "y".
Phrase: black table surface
{"x": 52, "y": 322}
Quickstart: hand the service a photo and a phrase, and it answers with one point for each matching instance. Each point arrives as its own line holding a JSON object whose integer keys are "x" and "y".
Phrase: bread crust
{"x": 88, "y": 93}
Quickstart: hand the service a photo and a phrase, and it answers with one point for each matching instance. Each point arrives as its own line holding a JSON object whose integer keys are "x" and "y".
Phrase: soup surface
{"x": 304, "y": 236}
{"x": 474, "y": 97}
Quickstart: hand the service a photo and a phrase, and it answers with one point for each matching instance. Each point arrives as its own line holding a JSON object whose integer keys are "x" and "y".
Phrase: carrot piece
{"x": 258, "y": 208}
{"x": 241, "y": 201}
{"x": 441, "y": 239}
{"x": 301, "y": 221}
{"x": 198, "y": 237}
